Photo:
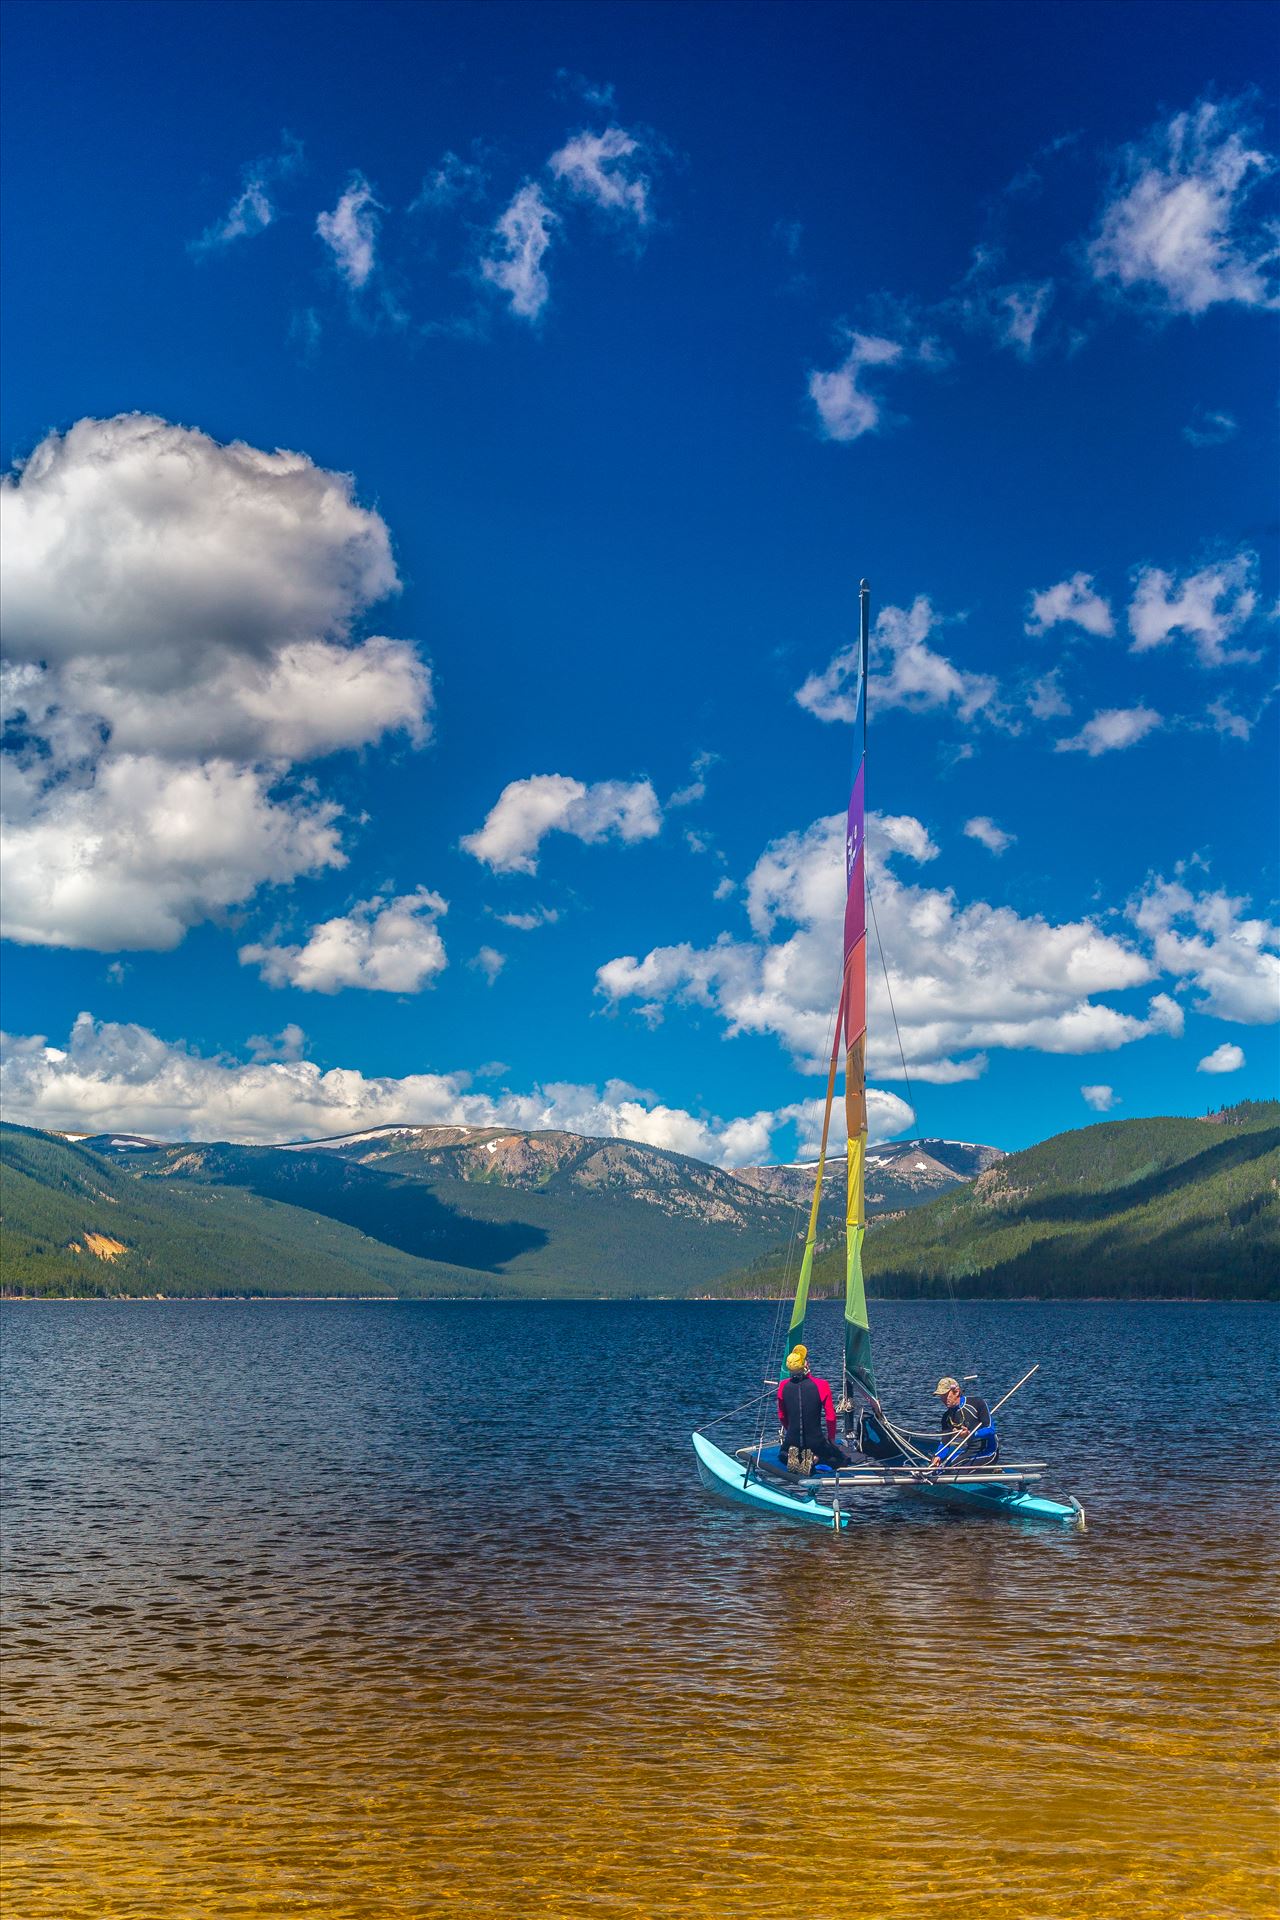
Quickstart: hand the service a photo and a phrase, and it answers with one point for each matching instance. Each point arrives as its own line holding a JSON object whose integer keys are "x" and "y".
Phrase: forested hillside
{"x": 75, "y": 1225}
{"x": 1165, "y": 1207}
{"x": 396, "y": 1215}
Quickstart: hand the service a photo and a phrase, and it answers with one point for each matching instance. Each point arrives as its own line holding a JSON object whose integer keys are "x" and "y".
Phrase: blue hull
{"x": 727, "y": 1476}
{"x": 1013, "y": 1505}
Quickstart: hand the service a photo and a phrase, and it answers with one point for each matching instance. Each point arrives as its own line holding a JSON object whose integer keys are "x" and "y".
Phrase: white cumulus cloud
{"x": 523, "y": 234}
{"x": 130, "y": 852}
{"x": 906, "y": 672}
{"x": 526, "y": 811}
{"x": 115, "y": 1077}
{"x": 1100, "y": 1098}
{"x": 966, "y": 978}
{"x": 1208, "y": 608}
{"x": 1177, "y": 226}
{"x": 1228, "y": 1058}
{"x": 1208, "y": 941}
{"x": 351, "y": 231}
{"x": 1073, "y": 601}
{"x": 1111, "y": 729}
{"x": 384, "y": 946}
{"x": 178, "y": 635}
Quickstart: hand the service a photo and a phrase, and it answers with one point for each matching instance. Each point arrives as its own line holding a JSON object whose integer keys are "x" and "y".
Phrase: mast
{"x": 857, "y": 1337}
{"x": 851, "y": 1034}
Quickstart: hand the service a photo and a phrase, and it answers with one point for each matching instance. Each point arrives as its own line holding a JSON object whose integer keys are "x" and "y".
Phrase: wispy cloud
{"x": 846, "y": 407}
{"x": 1010, "y": 311}
{"x": 1207, "y": 428}
{"x": 305, "y": 331}
{"x": 489, "y": 962}
{"x": 1110, "y": 730}
{"x": 523, "y": 234}
{"x": 984, "y": 829}
{"x": 602, "y": 168}
{"x": 1046, "y": 699}
{"x": 253, "y": 210}
{"x": 351, "y": 231}
{"x": 526, "y": 922}
{"x": 1177, "y": 228}
{"x": 451, "y": 181}
{"x": 598, "y": 94}
{"x": 1100, "y": 1098}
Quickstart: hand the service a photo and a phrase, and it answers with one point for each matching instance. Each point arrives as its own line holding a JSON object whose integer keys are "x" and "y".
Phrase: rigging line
{"x": 959, "y": 1330}
{"x": 720, "y": 1418}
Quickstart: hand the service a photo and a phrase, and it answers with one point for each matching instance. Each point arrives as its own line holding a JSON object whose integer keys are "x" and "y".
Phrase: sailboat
{"x": 885, "y": 1455}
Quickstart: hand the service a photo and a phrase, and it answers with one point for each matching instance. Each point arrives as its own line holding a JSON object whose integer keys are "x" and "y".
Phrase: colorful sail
{"x": 795, "y": 1331}
{"x": 857, "y": 1337}
{"x": 851, "y": 1032}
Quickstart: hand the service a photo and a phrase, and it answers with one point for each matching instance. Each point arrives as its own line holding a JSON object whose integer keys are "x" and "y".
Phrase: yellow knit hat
{"x": 797, "y": 1359}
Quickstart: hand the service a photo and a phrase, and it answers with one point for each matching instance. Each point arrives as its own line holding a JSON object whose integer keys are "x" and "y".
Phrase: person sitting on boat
{"x": 968, "y": 1430}
{"x": 807, "y": 1417}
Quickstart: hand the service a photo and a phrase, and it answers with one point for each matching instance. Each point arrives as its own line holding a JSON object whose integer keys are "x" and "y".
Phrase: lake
{"x": 418, "y": 1609}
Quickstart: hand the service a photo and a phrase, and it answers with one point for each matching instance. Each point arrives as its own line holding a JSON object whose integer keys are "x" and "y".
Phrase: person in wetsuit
{"x": 964, "y": 1414}
{"x": 807, "y": 1417}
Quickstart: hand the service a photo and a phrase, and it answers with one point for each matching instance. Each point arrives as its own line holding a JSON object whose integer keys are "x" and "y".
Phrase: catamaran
{"x": 886, "y": 1456}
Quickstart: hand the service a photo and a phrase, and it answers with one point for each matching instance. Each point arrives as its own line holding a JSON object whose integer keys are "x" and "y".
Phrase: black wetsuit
{"x": 969, "y": 1413}
{"x": 804, "y": 1422}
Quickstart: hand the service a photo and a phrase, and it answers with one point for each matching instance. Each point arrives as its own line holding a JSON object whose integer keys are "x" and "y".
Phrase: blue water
{"x": 419, "y": 1608}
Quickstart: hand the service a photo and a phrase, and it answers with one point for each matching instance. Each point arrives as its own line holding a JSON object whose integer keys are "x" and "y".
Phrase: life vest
{"x": 802, "y": 1409}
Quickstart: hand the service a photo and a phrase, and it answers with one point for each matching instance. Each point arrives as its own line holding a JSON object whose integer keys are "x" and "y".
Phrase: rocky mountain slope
{"x": 477, "y": 1210}
{"x": 561, "y": 1163}
{"x": 900, "y": 1174}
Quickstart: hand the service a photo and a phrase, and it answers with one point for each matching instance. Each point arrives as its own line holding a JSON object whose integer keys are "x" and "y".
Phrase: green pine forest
{"x": 1164, "y": 1208}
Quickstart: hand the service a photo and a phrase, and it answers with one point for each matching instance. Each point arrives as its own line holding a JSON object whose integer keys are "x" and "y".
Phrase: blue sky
{"x": 445, "y": 444}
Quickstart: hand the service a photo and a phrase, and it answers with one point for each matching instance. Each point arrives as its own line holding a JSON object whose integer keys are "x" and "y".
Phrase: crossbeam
{"x": 1016, "y": 1473}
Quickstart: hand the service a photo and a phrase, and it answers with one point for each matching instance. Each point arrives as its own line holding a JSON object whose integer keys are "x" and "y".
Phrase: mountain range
{"x": 396, "y": 1210}
{"x": 1122, "y": 1206}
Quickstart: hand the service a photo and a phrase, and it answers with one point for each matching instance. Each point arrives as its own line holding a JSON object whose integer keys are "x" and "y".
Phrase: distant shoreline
{"x": 603, "y": 1300}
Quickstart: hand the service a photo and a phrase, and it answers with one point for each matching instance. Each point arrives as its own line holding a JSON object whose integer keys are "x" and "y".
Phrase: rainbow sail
{"x": 857, "y": 1337}
{"x": 851, "y": 1032}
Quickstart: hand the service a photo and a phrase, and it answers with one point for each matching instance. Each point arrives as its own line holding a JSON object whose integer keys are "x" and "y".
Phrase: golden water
{"x": 269, "y": 1653}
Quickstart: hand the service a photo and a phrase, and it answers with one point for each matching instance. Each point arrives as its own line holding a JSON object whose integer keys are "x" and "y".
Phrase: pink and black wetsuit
{"x": 827, "y": 1405}
{"x": 807, "y": 1415}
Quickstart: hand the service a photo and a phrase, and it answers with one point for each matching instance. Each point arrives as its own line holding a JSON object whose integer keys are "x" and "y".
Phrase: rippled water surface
{"x": 417, "y": 1609}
